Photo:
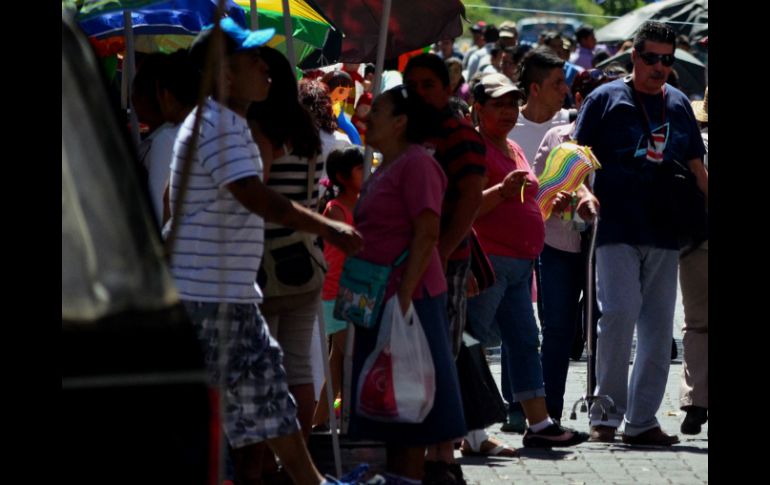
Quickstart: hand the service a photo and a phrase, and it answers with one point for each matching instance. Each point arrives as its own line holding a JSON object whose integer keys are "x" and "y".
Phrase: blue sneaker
{"x": 355, "y": 477}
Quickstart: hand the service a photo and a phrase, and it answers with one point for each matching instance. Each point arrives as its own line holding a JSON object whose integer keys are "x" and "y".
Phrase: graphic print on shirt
{"x": 653, "y": 149}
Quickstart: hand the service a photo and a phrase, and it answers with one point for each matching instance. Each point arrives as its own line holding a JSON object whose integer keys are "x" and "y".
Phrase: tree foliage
{"x": 495, "y": 11}
{"x": 620, "y": 7}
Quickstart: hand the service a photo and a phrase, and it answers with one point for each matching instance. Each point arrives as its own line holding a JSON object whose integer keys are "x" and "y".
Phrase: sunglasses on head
{"x": 651, "y": 59}
{"x": 598, "y": 75}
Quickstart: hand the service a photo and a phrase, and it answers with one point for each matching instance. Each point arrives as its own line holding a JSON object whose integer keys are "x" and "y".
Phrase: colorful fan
{"x": 566, "y": 168}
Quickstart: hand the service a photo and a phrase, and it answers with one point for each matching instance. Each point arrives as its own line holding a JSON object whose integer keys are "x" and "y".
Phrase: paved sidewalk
{"x": 588, "y": 463}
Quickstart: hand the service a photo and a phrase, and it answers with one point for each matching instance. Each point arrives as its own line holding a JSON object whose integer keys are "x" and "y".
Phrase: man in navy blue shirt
{"x": 634, "y": 125}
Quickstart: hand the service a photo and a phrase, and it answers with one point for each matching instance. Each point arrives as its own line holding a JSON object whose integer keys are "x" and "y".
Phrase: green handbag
{"x": 362, "y": 290}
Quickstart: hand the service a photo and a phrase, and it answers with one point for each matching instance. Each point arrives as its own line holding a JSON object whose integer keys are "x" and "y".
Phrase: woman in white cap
{"x": 510, "y": 228}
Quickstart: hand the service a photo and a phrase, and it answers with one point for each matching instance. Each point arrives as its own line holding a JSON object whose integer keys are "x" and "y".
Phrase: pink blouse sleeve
{"x": 424, "y": 185}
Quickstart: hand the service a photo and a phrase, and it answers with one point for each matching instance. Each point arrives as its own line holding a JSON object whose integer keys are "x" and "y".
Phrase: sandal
{"x": 489, "y": 448}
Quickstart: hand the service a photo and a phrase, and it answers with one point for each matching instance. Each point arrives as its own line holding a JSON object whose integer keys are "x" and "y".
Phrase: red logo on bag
{"x": 378, "y": 396}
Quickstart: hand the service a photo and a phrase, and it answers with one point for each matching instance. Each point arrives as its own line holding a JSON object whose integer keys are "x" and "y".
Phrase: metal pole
{"x": 589, "y": 310}
{"x": 289, "y": 33}
{"x": 128, "y": 75}
{"x": 329, "y": 392}
{"x": 378, "y": 68}
{"x": 253, "y": 14}
{"x": 347, "y": 377}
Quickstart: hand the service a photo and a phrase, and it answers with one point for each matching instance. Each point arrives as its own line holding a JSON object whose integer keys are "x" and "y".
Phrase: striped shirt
{"x": 288, "y": 177}
{"x": 219, "y": 247}
{"x": 460, "y": 151}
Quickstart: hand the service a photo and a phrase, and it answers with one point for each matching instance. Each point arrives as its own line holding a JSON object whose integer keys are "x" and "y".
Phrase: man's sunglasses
{"x": 651, "y": 59}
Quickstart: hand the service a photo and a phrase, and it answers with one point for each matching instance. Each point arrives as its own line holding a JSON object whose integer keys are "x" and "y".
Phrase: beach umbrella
{"x": 688, "y": 17}
{"x": 691, "y": 71}
{"x": 411, "y": 24}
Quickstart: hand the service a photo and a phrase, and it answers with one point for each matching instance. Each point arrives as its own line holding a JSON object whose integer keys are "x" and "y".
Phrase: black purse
{"x": 686, "y": 203}
{"x": 483, "y": 405}
{"x": 481, "y": 267}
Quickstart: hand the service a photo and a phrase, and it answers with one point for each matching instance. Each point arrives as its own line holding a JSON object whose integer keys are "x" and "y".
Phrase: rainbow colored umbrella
{"x": 169, "y": 25}
{"x": 310, "y": 27}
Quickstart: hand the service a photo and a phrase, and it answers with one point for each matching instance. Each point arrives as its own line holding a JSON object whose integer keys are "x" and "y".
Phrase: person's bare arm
{"x": 274, "y": 207}
{"x": 506, "y": 189}
{"x": 166, "y": 205}
{"x": 560, "y": 203}
{"x": 426, "y": 234}
{"x": 588, "y": 205}
{"x": 471, "y": 189}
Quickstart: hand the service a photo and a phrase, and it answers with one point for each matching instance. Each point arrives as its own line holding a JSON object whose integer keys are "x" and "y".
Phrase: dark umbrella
{"x": 691, "y": 71}
{"x": 413, "y": 24}
{"x": 694, "y": 12}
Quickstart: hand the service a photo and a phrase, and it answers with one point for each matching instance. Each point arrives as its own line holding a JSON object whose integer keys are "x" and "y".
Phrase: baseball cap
{"x": 494, "y": 85}
{"x": 478, "y": 26}
{"x": 508, "y": 29}
{"x": 237, "y": 39}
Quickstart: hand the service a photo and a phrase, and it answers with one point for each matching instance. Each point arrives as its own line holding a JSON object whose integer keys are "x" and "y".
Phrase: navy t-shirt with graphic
{"x": 626, "y": 186}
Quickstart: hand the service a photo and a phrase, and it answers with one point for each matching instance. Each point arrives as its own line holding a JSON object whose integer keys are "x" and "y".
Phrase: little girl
{"x": 345, "y": 171}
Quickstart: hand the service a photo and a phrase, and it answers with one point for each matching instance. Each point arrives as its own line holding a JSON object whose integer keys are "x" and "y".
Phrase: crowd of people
{"x": 264, "y": 190}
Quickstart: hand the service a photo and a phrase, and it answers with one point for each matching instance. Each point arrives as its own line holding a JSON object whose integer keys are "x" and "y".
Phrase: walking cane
{"x": 589, "y": 399}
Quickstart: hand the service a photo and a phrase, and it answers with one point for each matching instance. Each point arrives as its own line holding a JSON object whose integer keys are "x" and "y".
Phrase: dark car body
{"x": 136, "y": 403}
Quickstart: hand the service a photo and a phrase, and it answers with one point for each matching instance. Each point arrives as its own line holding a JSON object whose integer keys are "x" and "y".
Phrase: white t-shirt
{"x": 157, "y": 153}
{"x": 529, "y": 134}
{"x": 219, "y": 247}
{"x": 330, "y": 142}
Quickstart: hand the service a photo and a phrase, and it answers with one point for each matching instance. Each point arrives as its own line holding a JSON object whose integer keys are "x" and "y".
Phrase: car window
{"x": 530, "y": 28}
{"x": 111, "y": 252}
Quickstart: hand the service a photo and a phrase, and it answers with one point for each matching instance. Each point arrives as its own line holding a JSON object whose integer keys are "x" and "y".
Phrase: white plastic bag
{"x": 397, "y": 382}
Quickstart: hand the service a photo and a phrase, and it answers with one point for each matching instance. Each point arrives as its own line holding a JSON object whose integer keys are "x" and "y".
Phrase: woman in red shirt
{"x": 511, "y": 230}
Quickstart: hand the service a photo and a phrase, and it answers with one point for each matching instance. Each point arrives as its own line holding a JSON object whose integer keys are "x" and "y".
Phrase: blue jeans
{"x": 561, "y": 279}
{"x": 508, "y": 304}
{"x": 636, "y": 288}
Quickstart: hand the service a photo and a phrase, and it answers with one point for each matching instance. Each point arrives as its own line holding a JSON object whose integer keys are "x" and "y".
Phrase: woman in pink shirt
{"x": 510, "y": 228}
{"x": 399, "y": 209}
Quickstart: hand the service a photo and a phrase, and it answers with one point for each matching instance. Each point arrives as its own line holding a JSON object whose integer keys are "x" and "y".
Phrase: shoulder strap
{"x": 401, "y": 258}
{"x": 311, "y": 178}
{"x": 629, "y": 81}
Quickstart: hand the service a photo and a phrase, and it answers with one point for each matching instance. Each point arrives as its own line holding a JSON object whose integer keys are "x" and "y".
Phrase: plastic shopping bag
{"x": 397, "y": 382}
